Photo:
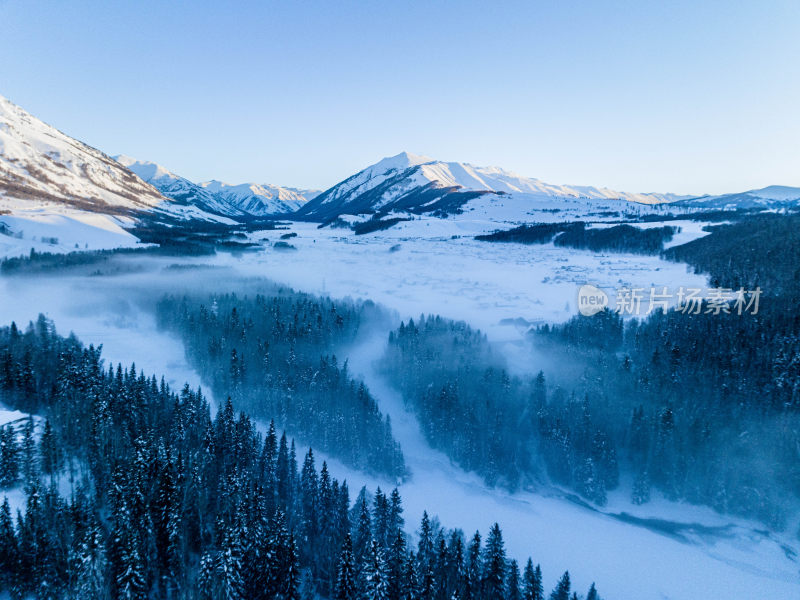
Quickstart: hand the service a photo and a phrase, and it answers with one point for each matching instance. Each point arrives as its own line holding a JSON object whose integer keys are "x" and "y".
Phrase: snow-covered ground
{"x": 690, "y": 553}
{"x": 10, "y": 416}
{"x": 50, "y": 229}
{"x": 436, "y": 265}
{"x": 683, "y": 553}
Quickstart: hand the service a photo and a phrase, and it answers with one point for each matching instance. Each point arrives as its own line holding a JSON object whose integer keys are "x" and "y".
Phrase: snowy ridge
{"x": 246, "y": 199}
{"x": 39, "y": 163}
{"x": 773, "y": 196}
{"x": 41, "y": 168}
{"x": 176, "y": 187}
{"x": 258, "y": 199}
{"x": 417, "y": 183}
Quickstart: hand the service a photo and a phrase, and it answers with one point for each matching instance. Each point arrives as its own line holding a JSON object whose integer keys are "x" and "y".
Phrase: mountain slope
{"x": 45, "y": 170}
{"x": 419, "y": 184}
{"x": 247, "y": 199}
{"x": 178, "y": 188}
{"x": 774, "y": 196}
{"x": 39, "y": 163}
{"x": 257, "y": 199}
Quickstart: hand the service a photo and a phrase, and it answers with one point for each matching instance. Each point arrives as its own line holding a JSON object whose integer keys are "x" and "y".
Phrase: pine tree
{"x": 592, "y": 594}
{"x": 425, "y": 546}
{"x": 395, "y": 566}
{"x": 30, "y": 466}
{"x": 9, "y": 550}
{"x": 396, "y": 520}
{"x": 49, "y": 451}
{"x": 205, "y": 579}
{"x": 9, "y": 457}
{"x": 428, "y": 586}
{"x": 363, "y": 537}
{"x": 308, "y": 591}
{"x": 494, "y": 566}
{"x": 374, "y": 575}
{"x": 92, "y": 567}
{"x": 513, "y": 589}
{"x": 131, "y": 583}
{"x": 228, "y": 573}
{"x": 409, "y": 590}
{"x": 309, "y": 497}
{"x": 561, "y": 591}
{"x": 472, "y": 574}
{"x": 292, "y": 577}
{"x": 380, "y": 519}
{"x": 532, "y": 582}
{"x": 346, "y": 588}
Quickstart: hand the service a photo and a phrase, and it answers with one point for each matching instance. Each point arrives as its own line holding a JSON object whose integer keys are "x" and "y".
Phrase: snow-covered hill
{"x": 58, "y": 194}
{"x": 420, "y": 184}
{"x": 43, "y": 168}
{"x": 39, "y": 164}
{"x": 178, "y": 188}
{"x": 773, "y": 196}
{"x": 246, "y": 199}
{"x": 259, "y": 199}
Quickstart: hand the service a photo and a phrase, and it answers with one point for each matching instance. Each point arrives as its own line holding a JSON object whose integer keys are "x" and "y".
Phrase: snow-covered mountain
{"x": 773, "y": 196}
{"x": 43, "y": 169}
{"x": 420, "y": 184}
{"x": 246, "y": 199}
{"x": 259, "y": 199}
{"x": 40, "y": 164}
{"x": 178, "y": 188}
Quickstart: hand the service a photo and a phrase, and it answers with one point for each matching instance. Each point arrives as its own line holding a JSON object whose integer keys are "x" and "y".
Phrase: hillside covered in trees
{"x": 700, "y": 406}
{"x": 275, "y": 355}
{"x": 660, "y": 400}
{"x": 166, "y": 501}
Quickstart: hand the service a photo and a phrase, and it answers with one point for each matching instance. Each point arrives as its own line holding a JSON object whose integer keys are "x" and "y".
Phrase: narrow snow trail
{"x": 625, "y": 560}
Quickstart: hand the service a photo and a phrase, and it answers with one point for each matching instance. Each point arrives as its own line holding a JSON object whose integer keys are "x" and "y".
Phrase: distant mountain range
{"x": 243, "y": 200}
{"x": 419, "y": 184}
{"x": 773, "y": 196}
{"x": 42, "y": 167}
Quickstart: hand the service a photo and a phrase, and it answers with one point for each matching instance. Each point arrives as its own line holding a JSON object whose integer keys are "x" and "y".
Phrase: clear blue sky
{"x": 690, "y": 97}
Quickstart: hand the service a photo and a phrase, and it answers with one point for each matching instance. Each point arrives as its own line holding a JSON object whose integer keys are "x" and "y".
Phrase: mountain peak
{"x": 146, "y": 170}
{"x": 418, "y": 184}
{"x": 399, "y": 162}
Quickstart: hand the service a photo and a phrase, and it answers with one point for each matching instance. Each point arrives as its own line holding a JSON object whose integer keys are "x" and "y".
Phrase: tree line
{"x": 275, "y": 356}
{"x": 166, "y": 501}
{"x": 660, "y": 401}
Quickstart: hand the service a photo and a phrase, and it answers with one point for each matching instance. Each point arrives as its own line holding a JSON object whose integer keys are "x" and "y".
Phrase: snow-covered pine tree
{"x": 9, "y": 551}
{"x": 92, "y": 567}
{"x": 375, "y": 580}
{"x": 9, "y": 456}
{"x": 346, "y": 585}
{"x": 494, "y": 564}
{"x": 409, "y": 588}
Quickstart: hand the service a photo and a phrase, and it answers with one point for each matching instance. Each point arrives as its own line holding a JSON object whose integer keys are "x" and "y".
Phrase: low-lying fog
{"x": 727, "y": 557}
